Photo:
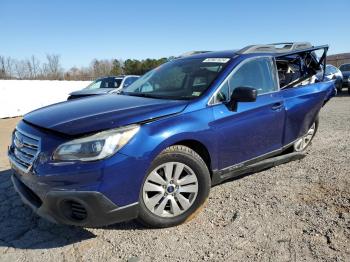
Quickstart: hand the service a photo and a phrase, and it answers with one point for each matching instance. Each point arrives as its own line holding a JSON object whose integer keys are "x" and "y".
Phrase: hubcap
{"x": 303, "y": 142}
{"x": 170, "y": 189}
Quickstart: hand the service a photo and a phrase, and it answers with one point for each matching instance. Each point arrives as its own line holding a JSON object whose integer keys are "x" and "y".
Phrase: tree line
{"x": 51, "y": 69}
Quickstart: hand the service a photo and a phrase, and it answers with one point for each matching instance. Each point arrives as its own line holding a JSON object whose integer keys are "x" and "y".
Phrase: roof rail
{"x": 275, "y": 48}
{"x": 192, "y": 53}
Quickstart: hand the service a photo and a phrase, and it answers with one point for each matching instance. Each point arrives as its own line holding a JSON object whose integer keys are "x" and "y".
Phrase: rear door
{"x": 304, "y": 97}
{"x": 302, "y": 105}
{"x": 256, "y": 128}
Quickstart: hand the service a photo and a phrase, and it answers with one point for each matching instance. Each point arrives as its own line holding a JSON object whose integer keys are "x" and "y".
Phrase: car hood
{"x": 96, "y": 91}
{"x": 96, "y": 113}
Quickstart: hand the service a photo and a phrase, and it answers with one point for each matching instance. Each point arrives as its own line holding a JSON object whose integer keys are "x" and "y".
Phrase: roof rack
{"x": 275, "y": 48}
{"x": 192, "y": 53}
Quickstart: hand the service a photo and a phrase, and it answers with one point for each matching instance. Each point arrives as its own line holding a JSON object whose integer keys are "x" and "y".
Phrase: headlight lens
{"x": 97, "y": 146}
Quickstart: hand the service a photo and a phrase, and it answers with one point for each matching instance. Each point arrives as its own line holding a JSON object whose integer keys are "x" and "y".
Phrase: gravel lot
{"x": 298, "y": 211}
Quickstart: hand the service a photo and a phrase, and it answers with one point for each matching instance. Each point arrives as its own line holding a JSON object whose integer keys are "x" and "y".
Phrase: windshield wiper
{"x": 155, "y": 96}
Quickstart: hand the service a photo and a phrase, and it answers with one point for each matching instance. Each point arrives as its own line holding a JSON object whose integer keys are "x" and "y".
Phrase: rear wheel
{"x": 302, "y": 143}
{"x": 176, "y": 187}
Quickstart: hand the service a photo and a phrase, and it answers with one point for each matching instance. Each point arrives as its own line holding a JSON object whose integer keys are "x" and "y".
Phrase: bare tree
{"x": 2, "y": 67}
{"x": 52, "y": 69}
{"x": 9, "y": 65}
{"x": 33, "y": 67}
{"x": 101, "y": 67}
{"x": 21, "y": 69}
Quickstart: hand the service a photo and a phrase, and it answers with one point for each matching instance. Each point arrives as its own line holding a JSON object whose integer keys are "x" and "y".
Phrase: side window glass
{"x": 104, "y": 84}
{"x": 111, "y": 84}
{"x": 259, "y": 73}
{"x": 133, "y": 79}
{"x": 128, "y": 81}
{"x": 223, "y": 94}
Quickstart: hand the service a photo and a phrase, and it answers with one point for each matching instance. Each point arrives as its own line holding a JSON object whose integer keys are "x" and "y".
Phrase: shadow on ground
{"x": 21, "y": 228}
{"x": 344, "y": 93}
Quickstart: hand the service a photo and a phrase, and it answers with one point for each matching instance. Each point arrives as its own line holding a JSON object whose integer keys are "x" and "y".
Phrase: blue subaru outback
{"x": 153, "y": 151}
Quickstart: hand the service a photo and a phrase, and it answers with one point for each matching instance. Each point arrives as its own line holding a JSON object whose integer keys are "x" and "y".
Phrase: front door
{"x": 255, "y": 128}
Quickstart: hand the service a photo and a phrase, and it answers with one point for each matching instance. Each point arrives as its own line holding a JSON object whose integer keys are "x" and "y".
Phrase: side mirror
{"x": 242, "y": 94}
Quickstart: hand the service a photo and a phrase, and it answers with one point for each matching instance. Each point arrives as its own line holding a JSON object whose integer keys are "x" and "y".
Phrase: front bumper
{"x": 80, "y": 208}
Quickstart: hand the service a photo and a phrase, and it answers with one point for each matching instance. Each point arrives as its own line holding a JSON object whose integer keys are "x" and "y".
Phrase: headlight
{"x": 97, "y": 146}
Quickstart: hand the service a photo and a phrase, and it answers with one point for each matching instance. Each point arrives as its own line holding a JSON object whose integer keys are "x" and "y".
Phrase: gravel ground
{"x": 298, "y": 211}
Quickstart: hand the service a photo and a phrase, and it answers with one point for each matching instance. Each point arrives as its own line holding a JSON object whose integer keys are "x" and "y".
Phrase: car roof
{"x": 212, "y": 54}
{"x": 276, "y": 50}
{"x": 115, "y": 77}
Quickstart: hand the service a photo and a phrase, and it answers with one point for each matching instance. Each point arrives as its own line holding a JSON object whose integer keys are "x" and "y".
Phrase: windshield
{"x": 178, "y": 79}
{"x": 344, "y": 68}
{"x": 105, "y": 83}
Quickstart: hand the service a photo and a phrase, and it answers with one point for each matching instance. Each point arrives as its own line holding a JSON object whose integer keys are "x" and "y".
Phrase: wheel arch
{"x": 200, "y": 149}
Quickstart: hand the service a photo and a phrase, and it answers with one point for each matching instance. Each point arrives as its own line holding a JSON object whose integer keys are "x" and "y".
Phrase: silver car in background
{"x": 333, "y": 73}
{"x": 345, "y": 69}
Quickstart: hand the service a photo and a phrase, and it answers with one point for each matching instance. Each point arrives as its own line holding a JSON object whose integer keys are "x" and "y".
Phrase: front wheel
{"x": 176, "y": 186}
{"x": 339, "y": 90}
{"x": 302, "y": 143}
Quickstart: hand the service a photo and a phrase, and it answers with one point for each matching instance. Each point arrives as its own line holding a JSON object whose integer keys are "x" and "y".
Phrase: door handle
{"x": 277, "y": 106}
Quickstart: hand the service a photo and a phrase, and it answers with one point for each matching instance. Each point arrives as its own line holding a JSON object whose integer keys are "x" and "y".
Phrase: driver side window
{"x": 259, "y": 73}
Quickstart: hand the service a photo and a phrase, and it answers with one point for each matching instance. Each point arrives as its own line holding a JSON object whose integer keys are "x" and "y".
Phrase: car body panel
{"x": 105, "y": 112}
{"x": 346, "y": 78}
{"x": 257, "y": 127}
{"x": 302, "y": 105}
{"x": 229, "y": 137}
{"x": 89, "y": 92}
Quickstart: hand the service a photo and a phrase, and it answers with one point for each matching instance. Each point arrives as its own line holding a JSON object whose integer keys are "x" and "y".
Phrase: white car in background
{"x": 104, "y": 85}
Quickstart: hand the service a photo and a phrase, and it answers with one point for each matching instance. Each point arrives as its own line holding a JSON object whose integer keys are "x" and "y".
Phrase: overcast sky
{"x": 82, "y": 30}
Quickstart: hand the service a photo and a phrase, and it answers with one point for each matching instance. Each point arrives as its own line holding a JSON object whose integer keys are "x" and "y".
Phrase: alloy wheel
{"x": 304, "y": 141}
{"x": 170, "y": 189}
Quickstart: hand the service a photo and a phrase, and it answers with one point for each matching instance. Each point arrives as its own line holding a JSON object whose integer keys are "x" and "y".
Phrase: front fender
{"x": 154, "y": 137}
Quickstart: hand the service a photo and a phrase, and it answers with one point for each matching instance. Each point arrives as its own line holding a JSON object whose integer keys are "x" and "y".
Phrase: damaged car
{"x": 154, "y": 151}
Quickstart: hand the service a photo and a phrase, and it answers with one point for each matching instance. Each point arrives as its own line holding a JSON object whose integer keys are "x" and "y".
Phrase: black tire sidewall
{"x": 146, "y": 217}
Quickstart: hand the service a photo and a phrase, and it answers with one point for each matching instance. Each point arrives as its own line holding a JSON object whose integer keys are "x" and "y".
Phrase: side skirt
{"x": 255, "y": 165}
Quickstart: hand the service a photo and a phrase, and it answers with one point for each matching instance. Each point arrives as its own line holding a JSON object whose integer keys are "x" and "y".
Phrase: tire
{"x": 339, "y": 90}
{"x": 164, "y": 183}
{"x": 305, "y": 141}
{"x": 349, "y": 90}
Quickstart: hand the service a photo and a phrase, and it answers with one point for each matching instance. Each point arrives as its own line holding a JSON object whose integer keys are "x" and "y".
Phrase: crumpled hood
{"x": 98, "y": 113}
{"x": 96, "y": 91}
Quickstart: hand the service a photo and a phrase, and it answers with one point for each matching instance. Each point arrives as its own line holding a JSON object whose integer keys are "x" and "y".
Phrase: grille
{"x": 26, "y": 149}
